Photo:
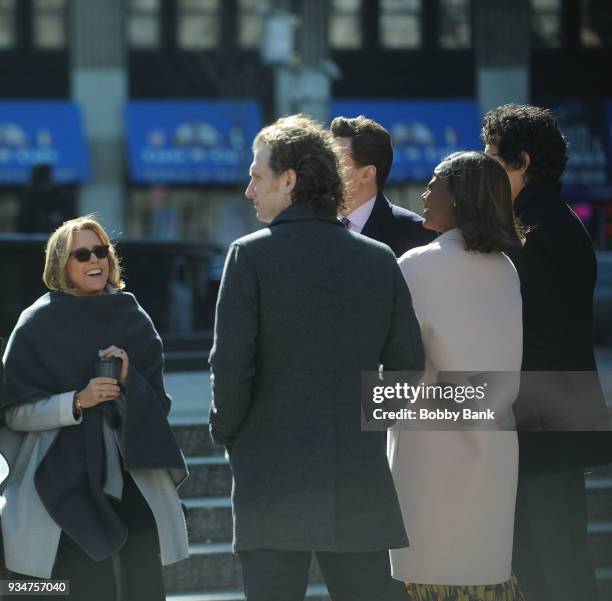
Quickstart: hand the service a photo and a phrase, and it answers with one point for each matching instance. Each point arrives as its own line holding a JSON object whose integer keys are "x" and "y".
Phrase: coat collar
{"x": 536, "y": 192}
{"x": 454, "y": 234}
{"x": 302, "y": 212}
{"x": 380, "y": 216}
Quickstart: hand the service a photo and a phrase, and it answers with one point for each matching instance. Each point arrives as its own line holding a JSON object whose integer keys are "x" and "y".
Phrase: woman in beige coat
{"x": 457, "y": 489}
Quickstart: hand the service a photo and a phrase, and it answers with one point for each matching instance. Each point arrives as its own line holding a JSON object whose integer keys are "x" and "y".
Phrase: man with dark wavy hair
{"x": 304, "y": 307}
{"x": 557, "y": 270}
{"x": 367, "y": 155}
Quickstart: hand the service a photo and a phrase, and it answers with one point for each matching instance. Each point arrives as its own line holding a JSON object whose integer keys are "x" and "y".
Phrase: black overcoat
{"x": 304, "y": 307}
{"x": 557, "y": 270}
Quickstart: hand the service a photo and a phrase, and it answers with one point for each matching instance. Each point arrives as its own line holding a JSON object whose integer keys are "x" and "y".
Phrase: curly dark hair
{"x": 515, "y": 128}
{"x": 370, "y": 144}
{"x": 299, "y": 143}
{"x": 480, "y": 188}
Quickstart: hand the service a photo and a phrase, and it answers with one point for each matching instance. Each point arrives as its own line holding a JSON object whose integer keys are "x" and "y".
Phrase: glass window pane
{"x": 49, "y": 23}
{"x": 458, "y": 4}
{"x": 49, "y": 31}
{"x": 547, "y": 30}
{"x": 546, "y": 5}
{"x": 400, "y": 31}
{"x": 346, "y": 6}
{"x": 250, "y": 31}
{"x": 455, "y": 33}
{"x": 143, "y": 31}
{"x": 144, "y": 5}
{"x": 49, "y": 5}
{"x": 198, "y": 5}
{"x": 7, "y": 32}
{"x": 595, "y": 24}
{"x": 400, "y": 5}
{"x": 345, "y": 31}
{"x": 198, "y": 32}
{"x": 455, "y": 24}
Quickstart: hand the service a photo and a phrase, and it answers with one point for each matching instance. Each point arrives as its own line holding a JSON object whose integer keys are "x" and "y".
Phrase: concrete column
{"x": 502, "y": 44}
{"x": 316, "y": 69}
{"x": 99, "y": 86}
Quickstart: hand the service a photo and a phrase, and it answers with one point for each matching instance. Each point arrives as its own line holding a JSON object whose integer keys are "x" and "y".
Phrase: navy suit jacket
{"x": 398, "y": 228}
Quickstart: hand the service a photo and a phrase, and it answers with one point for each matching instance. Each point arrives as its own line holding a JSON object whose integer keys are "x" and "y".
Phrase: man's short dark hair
{"x": 370, "y": 144}
{"x": 515, "y": 128}
{"x": 299, "y": 143}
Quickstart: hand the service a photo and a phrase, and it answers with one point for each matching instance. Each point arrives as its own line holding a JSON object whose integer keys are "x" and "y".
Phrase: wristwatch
{"x": 77, "y": 409}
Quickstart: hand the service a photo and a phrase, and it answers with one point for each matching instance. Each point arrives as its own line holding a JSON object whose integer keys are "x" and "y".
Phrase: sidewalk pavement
{"x": 190, "y": 391}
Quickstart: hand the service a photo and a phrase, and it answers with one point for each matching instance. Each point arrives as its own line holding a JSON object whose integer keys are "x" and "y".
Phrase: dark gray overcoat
{"x": 304, "y": 307}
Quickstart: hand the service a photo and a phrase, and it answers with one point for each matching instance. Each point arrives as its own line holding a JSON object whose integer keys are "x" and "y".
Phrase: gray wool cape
{"x": 304, "y": 307}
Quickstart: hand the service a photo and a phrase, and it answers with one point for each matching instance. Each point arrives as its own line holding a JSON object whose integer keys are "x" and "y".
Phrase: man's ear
{"x": 368, "y": 175}
{"x": 526, "y": 163}
{"x": 288, "y": 180}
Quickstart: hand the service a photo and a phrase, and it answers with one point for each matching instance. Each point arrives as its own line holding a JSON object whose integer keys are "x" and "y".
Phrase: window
{"x": 455, "y": 24}
{"x": 49, "y": 24}
{"x": 400, "y": 23}
{"x": 7, "y": 24}
{"x": 199, "y": 26}
{"x": 250, "y": 23}
{"x": 596, "y": 24}
{"x": 144, "y": 24}
{"x": 546, "y": 23}
{"x": 345, "y": 31}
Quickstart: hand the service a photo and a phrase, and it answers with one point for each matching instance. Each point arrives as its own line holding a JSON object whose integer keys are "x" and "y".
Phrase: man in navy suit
{"x": 365, "y": 147}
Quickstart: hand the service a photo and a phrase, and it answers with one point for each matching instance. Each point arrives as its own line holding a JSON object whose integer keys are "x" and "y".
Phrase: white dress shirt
{"x": 359, "y": 217}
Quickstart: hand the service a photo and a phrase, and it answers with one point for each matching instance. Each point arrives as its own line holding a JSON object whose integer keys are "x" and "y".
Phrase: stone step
{"x": 315, "y": 592}
{"x": 209, "y": 476}
{"x": 604, "y": 581}
{"x": 186, "y": 360}
{"x": 599, "y": 499}
{"x": 193, "y": 438}
{"x": 600, "y": 543}
{"x": 209, "y": 519}
{"x": 212, "y": 567}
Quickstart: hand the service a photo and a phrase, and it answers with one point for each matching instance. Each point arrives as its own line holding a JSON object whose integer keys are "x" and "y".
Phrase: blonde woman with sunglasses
{"x": 91, "y": 496}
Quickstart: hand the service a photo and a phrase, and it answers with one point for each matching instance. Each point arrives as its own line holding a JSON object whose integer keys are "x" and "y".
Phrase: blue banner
{"x": 423, "y": 131}
{"x": 49, "y": 132}
{"x": 582, "y": 122}
{"x": 189, "y": 142}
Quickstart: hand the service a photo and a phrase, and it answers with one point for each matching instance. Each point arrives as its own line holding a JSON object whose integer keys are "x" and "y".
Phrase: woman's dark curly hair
{"x": 515, "y": 128}
{"x": 299, "y": 143}
{"x": 480, "y": 188}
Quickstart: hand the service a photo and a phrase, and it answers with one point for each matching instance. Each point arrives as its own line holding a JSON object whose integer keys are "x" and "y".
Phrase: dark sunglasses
{"x": 82, "y": 254}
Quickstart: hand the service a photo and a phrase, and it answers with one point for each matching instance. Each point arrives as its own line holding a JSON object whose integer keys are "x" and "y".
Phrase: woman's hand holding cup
{"x": 99, "y": 390}
{"x": 114, "y": 351}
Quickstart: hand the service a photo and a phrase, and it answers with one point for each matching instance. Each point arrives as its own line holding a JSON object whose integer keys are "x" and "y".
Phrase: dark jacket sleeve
{"x": 403, "y": 350}
{"x": 232, "y": 359}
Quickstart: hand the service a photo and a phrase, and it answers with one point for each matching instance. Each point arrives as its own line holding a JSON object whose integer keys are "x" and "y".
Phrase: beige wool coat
{"x": 457, "y": 489}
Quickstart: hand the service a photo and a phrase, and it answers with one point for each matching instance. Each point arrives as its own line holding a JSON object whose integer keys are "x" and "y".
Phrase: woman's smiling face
{"x": 91, "y": 276}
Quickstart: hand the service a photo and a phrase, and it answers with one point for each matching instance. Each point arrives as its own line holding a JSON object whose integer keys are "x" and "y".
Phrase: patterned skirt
{"x": 506, "y": 591}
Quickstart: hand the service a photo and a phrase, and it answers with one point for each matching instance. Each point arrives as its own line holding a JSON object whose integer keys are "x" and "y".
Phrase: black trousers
{"x": 134, "y": 574}
{"x": 283, "y": 575}
{"x": 551, "y": 558}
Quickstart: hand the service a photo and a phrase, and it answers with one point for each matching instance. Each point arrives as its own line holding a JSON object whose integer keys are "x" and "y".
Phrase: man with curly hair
{"x": 557, "y": 270}
{"x": 304, "y": 307}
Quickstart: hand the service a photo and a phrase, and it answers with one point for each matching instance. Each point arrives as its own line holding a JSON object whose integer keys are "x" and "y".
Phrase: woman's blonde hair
{"x": 58, "y": 251}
